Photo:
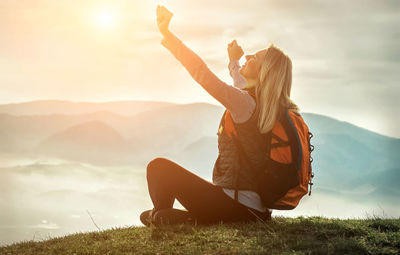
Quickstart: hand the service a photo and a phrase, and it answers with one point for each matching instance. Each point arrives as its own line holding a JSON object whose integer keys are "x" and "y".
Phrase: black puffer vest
{"x": 230, "y": 169}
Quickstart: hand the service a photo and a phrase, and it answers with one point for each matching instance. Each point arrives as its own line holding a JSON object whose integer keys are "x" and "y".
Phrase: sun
{"x": 105, "y": 19}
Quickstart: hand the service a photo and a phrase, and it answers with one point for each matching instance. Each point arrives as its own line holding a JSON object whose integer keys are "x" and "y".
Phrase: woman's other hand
{"x": 234, "y": 50}
{"x": 163, "y": 18}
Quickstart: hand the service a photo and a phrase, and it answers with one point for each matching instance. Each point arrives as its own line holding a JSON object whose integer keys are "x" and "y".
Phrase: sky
{"x": 345, "y": 54}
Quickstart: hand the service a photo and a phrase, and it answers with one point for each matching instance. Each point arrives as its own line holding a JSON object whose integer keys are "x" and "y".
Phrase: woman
{"x": 251, "y": 114}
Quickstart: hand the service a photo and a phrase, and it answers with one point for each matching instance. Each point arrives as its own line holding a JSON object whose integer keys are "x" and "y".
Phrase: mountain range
{"x": 348, "y": 160}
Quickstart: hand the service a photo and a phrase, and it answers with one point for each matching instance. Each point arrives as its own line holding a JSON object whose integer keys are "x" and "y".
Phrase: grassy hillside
{"x": 313, "y": 235}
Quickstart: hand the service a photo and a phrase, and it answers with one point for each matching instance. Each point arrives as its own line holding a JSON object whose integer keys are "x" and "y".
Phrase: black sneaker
{"x": 146, "y": 217}
{"x": 173, "y": 217}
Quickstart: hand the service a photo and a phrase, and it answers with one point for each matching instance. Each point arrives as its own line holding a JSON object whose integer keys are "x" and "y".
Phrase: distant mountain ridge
{"x": 349, "y": 159}
{"x": 93, "y": 140}
{"x": 46, "y": 107}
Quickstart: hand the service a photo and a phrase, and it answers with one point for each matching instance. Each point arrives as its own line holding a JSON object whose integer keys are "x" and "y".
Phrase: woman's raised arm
{"x": 227, "y": 95}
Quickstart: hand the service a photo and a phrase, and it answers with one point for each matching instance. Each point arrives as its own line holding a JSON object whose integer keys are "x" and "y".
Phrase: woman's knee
{"x": 156, "y": 166}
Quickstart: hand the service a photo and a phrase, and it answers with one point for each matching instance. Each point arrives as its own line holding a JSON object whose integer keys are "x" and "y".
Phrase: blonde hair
{"x": 273, "y": 88}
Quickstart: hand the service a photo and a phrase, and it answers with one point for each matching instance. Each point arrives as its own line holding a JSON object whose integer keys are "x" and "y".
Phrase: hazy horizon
{"x": 182, "y": 103}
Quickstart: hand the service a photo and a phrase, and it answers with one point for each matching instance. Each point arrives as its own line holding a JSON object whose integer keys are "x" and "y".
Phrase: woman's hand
{"x": 163, "y": 18}
{"x": 234, "y": 50}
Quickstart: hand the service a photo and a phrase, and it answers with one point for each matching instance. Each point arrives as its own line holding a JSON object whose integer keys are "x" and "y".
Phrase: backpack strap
{"x": 293, "y": 137}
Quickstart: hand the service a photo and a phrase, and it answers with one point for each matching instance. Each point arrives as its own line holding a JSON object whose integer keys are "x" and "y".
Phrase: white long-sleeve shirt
{"x": 234, "y": 70}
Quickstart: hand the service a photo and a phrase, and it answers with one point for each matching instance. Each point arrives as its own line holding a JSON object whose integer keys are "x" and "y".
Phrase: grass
{"x": 314, "y": 235}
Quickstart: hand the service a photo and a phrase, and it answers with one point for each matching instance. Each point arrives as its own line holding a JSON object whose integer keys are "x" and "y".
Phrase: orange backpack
{"x": 287, "y": 173}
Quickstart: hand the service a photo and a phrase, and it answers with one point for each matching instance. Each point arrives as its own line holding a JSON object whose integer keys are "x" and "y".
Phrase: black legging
{"x": 205, "y": 201}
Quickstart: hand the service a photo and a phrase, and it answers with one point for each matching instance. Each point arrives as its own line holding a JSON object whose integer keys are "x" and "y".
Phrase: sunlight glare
{"x": 105, "y": 19}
